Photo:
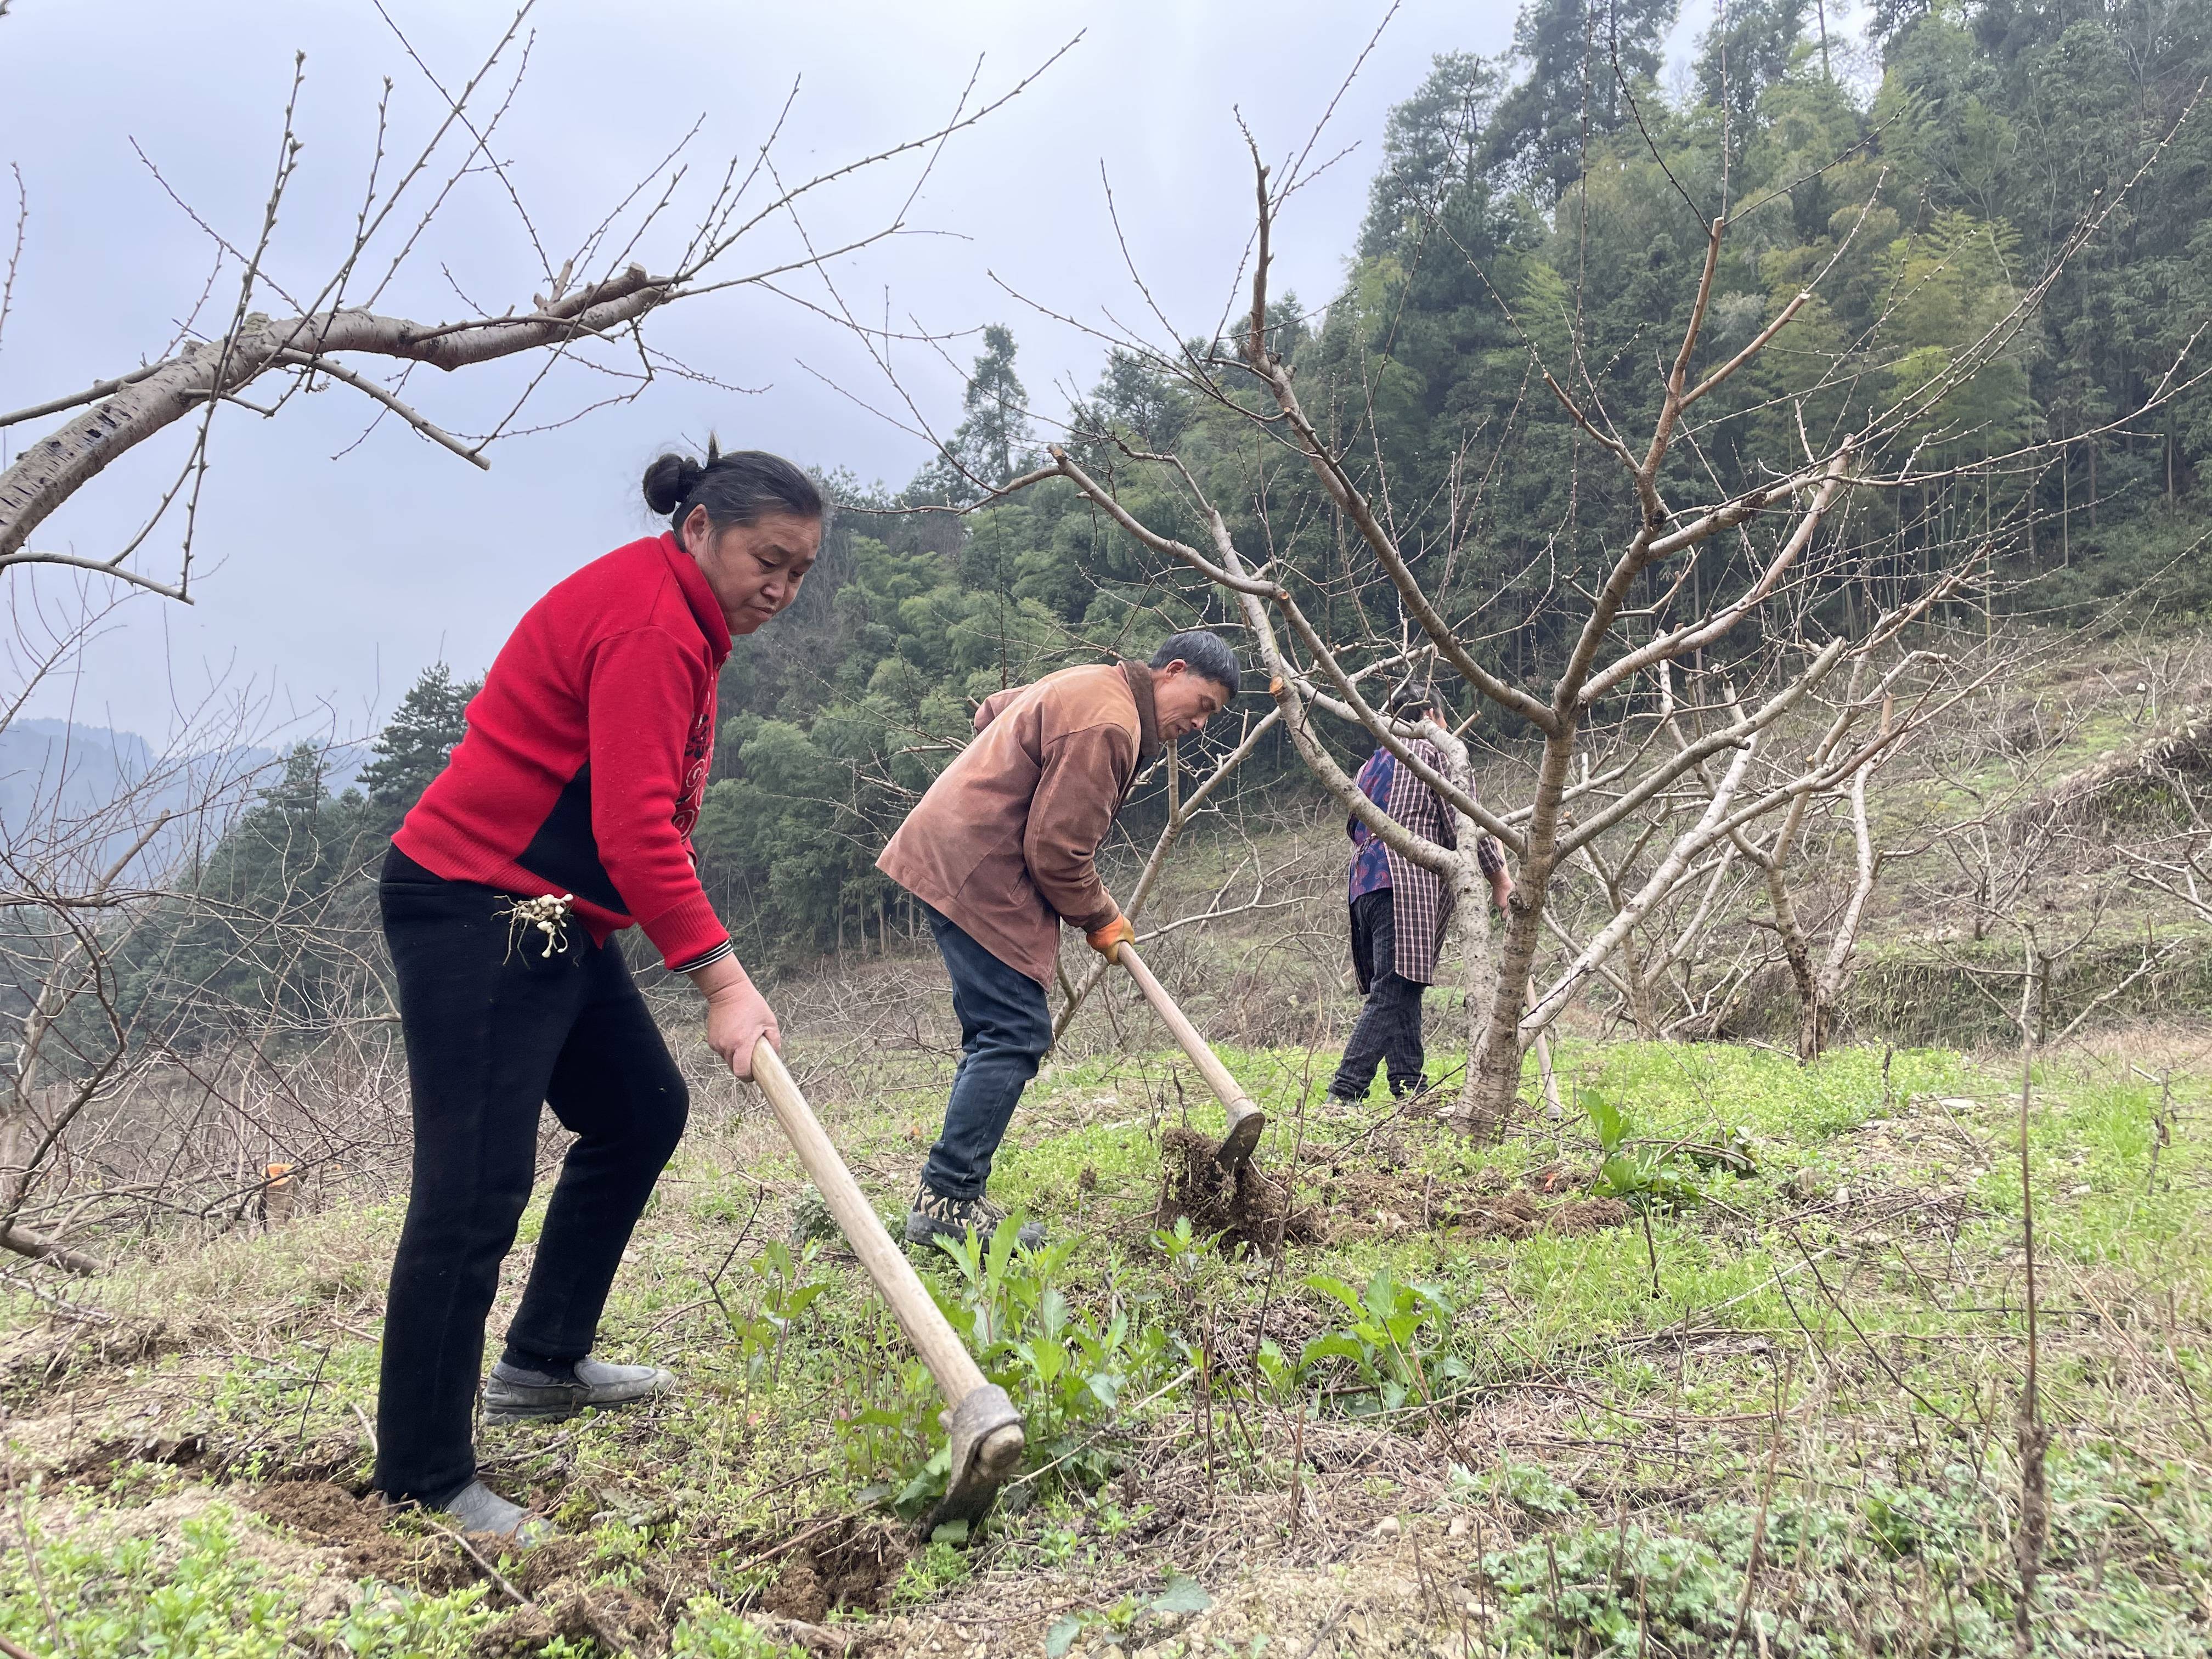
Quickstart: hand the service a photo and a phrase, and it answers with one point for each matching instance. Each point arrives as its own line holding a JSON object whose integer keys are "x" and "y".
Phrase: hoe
{"x": 985, "y": 1429}
{"x": 1246, "y": 1119}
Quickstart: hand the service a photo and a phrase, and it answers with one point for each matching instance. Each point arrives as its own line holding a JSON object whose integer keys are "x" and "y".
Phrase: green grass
{"x": 200, "y": 1594}
{"x": 1860, "y": 1285}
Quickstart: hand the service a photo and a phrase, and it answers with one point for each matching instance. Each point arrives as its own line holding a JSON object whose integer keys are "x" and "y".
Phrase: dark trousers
{"x": 1004, "y": 1029}
{"x": 494, "y": 1028}
{"x": 1389, "y": 1031}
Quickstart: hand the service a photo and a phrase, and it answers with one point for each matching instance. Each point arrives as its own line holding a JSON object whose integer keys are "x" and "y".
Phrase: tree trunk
{"x": 1798, "y": 953}
{"x": 1479, "y": 963}
{"x": 1639, "y": 991}
{"x": 1828, "y": 985}
{"x": 1498, "y": 1067}
{"x": 2065, "y": 507}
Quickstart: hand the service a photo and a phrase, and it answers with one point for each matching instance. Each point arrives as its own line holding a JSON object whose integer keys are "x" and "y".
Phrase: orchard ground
{"x": 1763, "y": 1397}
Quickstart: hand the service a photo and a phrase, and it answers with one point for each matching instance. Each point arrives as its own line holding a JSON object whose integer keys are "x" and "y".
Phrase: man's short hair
{"x": 1411, "y": 700}
{"x": 1202, "y": 652}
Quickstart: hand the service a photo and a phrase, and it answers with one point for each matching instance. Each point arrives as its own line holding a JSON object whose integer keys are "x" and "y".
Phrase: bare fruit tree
{"x": 93, "y": 827}
{"x": 1723, "y": 668}
{"x": 131, "y": 1086}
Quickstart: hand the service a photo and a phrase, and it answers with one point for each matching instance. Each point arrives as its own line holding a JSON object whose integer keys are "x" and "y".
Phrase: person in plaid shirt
{"x": 1398, "y": 915}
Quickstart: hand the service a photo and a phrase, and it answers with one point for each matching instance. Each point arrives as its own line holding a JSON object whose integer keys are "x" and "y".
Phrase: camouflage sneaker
{"x": 935, "y": 1216}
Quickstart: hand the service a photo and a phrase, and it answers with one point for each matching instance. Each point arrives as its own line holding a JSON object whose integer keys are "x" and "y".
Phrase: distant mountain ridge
{"x": 57, "y": 768}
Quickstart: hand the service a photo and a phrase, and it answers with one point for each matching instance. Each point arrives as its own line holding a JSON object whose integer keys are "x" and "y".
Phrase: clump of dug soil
{"x": 1586, "y": 1215}
{"x": 615, "y": 1620}
{"x": 1357, "y": 1199}
{"x": 1241, "y": 1204}
{"x": 328, "y": 1515}
{"x": 852, "y": 1565}
{"x": 106, "y": 1462}
{"x": 1381, "y": 1204}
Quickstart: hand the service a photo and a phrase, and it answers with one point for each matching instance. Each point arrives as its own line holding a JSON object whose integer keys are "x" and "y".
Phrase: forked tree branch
{"x": 52, "y": 469}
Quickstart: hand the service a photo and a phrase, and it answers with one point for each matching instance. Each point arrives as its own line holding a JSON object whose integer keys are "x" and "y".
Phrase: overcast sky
{"x": 332, "y": 582}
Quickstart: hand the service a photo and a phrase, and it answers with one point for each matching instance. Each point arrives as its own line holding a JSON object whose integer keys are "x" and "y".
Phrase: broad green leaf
{"x": 1338, "y": 1345}
{"x": 1611, "y": 1124}
{"x": 1384, "y": 1295}
{"x": 1620, "y": 1177}
{"x": 1183, "y": 1594}
{"x": 1337, "y": 1288}
{"x": 1047, "y": 1357}
{"x": 928, "y": 1481}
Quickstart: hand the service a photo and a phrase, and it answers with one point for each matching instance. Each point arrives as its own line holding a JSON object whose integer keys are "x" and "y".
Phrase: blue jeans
{"x": 1004, "y": 1029}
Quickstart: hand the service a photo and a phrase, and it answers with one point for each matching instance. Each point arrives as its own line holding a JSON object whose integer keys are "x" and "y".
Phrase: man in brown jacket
{"x": 1002, "y": 850}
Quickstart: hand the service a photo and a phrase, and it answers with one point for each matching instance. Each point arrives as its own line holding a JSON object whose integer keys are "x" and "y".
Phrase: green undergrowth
{"x": 1833, "y": 1248}
{"x": 200, "y": 1591}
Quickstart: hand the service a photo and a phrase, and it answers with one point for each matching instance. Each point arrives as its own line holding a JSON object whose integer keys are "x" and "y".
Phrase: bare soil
{"x": 359, "y": 1530}
{"x": 1243, "y": 1206}
{"x": 854, "y": 1565}
{"x": 1247, "y": 1206}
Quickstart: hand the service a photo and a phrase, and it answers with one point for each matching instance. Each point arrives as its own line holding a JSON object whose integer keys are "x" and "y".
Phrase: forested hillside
{"x": 1939, "y": 194}
{"x": 1929, "y": 180}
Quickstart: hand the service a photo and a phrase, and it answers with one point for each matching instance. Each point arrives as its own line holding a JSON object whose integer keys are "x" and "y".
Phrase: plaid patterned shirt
{"x": 1421, "y": 904}
{"x": 1370, "y": 869}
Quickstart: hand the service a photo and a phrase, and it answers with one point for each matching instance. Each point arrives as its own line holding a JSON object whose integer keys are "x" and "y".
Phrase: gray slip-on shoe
{"x": 477, "y": 1507}
{"x": 516, "y": 1393}
{"x": 933, "y": 1216}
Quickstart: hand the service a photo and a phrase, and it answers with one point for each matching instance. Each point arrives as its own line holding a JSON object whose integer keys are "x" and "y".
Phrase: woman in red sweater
{"x": 564, "y": 816}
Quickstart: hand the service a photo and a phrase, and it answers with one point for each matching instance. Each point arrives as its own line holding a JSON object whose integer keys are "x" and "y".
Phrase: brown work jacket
{"x": 1005, "y": 845}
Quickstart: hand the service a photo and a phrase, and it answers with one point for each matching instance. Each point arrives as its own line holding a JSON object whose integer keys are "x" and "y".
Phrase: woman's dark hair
{"x": 739, "y": 487}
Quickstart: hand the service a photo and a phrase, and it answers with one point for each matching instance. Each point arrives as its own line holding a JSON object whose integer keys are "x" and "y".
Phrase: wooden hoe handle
{"x": 957, "y": 1373}
{"x": 1217, "y": 1076}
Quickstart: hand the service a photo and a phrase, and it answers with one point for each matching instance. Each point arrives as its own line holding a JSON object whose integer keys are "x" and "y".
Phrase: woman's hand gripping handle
{"x": 738, "y": 1016}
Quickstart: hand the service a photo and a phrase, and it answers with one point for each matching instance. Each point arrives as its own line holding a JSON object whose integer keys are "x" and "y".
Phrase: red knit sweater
{"x": 586, "y": 755}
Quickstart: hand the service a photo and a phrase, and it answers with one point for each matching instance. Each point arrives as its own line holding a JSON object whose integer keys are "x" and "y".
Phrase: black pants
{"x": 494, "y": 1028}
{"x": 1389, "y": 1031}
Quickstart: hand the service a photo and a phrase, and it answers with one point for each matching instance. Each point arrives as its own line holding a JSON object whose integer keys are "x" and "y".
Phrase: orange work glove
{"x": 1114, "y": 932}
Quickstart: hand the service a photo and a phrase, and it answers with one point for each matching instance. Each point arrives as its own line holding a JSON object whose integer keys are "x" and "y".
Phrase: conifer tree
{"x": 416, "y": 742}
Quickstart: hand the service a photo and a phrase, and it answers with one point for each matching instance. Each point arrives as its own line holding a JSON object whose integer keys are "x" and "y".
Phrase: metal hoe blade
{"x": 1244, "y": 1127}
{"x": 987, "y": 1449}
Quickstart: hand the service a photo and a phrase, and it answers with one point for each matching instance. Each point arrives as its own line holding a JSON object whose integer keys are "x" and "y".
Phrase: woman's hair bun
{"x": 737, "y": 486}
{"x": 670, "y": 481}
